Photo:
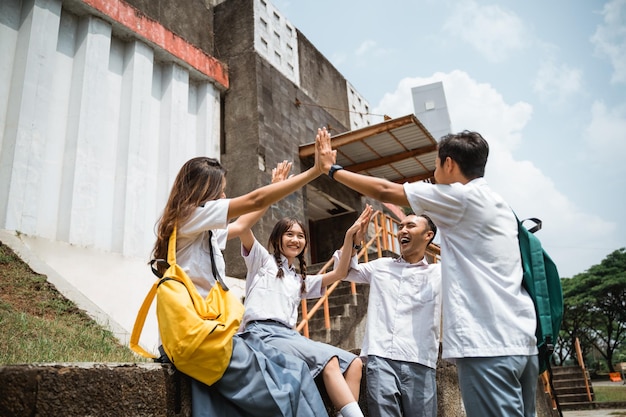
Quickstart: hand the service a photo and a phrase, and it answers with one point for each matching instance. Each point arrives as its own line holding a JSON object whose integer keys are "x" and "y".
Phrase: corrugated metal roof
{"x": 399, "y": 150}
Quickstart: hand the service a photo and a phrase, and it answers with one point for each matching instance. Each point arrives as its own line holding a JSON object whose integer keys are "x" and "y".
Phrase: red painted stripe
{"x": 156, "y": 33}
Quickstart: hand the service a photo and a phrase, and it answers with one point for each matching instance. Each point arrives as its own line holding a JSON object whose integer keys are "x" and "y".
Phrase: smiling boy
{"x": 401, "y": 340}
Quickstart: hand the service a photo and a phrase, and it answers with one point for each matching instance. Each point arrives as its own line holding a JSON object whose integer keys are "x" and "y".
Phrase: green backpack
{"x": 542, "y": 281}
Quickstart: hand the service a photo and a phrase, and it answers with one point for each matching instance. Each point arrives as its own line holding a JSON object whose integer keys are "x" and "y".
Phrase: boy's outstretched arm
{"x": 377, "y": 188}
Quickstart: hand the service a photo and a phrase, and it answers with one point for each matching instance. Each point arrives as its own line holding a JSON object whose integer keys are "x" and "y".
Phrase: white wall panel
{"x": 208, "y": 120}
{"x": 25, "y": 130}
{"x": 10, "y": 12}
{"x": 133, "y": 161}
{"x": 56, "y": 132}
{"x": 93, "y": 131}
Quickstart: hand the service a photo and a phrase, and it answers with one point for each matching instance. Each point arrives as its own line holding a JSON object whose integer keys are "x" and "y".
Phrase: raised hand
{"x": 361, "y": 224}
{"x": 281, "y": 172}
{"x": 325, "y": 156}
{"x": 356, "y": 233}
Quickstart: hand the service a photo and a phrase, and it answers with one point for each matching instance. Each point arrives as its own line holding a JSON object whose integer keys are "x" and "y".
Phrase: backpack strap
{"x": 139, "y": 322}
{"x": 147, "y": 302}
{"x": 536, "y": 227}
{"x": 171, "y": 248}
{"x": 216, "y": 273}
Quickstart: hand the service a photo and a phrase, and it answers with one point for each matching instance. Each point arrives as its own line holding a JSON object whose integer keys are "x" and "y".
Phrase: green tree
{"x": 575, "y": 316}
{"x": 595, "y": 305}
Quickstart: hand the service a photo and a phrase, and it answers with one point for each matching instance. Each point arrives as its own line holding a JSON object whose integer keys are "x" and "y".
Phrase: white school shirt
{"x": 192, "y": 243}
{"x": 404, "y": 308}
{"x": 269, "y": 297}
{"x": 486, "y": 311}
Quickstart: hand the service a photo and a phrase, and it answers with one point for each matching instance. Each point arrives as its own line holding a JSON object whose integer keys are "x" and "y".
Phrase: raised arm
{"x": 263, "y": 197}
{"x": 245, "y": 222}
{"x": 377, "y": 188}
{"x": 354, "y": 235}
{"x": 242, "y": 227}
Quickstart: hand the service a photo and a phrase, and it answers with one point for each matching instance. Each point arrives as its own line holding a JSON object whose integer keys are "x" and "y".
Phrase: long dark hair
{"x": 198, "y": 181}
{"x": 274, "y": 244}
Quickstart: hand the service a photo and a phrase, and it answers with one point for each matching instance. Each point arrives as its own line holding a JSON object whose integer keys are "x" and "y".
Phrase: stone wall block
{"x": 93, "y": 389}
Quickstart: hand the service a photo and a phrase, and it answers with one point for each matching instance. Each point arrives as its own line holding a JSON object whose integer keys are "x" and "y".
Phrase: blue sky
{"x": 544, "y": 82}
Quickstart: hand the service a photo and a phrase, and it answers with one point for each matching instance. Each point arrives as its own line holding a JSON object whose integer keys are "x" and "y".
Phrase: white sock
{"x": 351, "y": 410}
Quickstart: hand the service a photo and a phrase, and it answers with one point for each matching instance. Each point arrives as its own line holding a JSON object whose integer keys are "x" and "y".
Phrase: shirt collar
{"x": 286, "y": 263}
{"x": 423, "y": 262}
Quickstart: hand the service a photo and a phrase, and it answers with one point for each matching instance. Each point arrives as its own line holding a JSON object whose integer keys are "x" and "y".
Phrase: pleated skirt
{"x": 260, "y": 381}
{"x": 290, "y": 341}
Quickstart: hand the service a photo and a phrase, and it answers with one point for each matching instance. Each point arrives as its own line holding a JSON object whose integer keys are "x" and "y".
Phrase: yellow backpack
{"x": 196, "y": 333}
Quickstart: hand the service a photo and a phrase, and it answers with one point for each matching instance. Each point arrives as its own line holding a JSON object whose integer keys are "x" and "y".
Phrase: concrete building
{"x": 102, "y": 101}
{"x": 431, "y": 108}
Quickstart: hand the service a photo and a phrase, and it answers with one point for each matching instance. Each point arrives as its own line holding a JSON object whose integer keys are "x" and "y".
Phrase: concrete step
{"x": 558, "y": 371}
{"x": 573, "y": 398}
{"x": 572, "y": 390}
{"x": 569, "y": 383}
{"x": 565, "y": 406}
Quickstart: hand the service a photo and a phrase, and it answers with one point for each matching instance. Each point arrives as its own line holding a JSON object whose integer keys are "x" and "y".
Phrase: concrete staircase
{"x": 347, "y": 311}
{"x": 570, "y": 385}
{"x": 347, "y": 314}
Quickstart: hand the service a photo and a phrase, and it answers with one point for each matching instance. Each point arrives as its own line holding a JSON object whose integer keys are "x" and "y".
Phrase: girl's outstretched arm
{"x": 263, "y": 197}
{"x": 242, "y": 227}
{"x": 354, "y": 234}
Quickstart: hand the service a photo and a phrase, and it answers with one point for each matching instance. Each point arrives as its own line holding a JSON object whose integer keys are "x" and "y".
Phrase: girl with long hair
{"x": 260, "y": 380}
{"x": 275, "y": 285}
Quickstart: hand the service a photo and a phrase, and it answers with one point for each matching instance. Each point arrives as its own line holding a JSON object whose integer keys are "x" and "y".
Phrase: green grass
{"x": 39, "y": 325}
{"x": 604, "y": 393}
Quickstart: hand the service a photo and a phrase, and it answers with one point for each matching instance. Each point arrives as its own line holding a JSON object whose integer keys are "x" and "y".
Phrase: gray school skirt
{"x": 287, "y": 340}
{"x": 260, "y": 381}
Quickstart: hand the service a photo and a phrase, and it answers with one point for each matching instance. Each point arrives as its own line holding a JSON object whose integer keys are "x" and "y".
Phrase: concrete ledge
{"x": 151, "y": 389}
{"x": 93, "y": 389}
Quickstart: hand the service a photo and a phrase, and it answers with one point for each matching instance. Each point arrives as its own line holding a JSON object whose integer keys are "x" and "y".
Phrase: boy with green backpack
{"x": 489, "y": 318}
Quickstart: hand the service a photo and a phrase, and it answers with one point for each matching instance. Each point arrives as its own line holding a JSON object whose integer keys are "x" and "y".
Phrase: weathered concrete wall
{"x": 262, "y": 123}
{"x": 192, "y": 20}
{"x": 322, "y": 82}
{"x": 92, "y": 389}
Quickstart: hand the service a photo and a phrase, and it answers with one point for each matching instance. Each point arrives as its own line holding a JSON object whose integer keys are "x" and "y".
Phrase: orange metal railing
{"x": 581, "y": 363}
{"x": 385, "y": 238}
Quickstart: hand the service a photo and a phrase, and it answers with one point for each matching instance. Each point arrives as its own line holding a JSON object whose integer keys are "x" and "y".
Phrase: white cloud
{"x": 491, "y": 30}
{"x": 604, "y": 136}
{"x": 463, "y": 93}
{"x": 568, "y": 231}
{"x": 610, "y": 38}
{"x": 557, "y": 83}
{"x": 365, "y": 47}
{"x": 368, "y": 51}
